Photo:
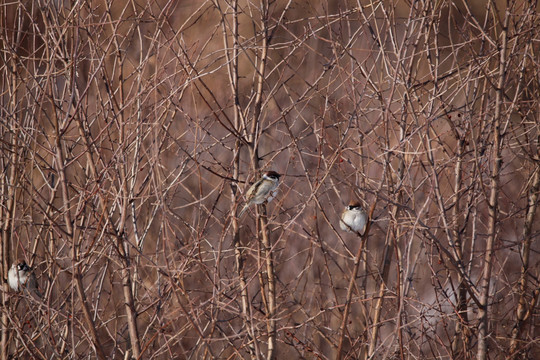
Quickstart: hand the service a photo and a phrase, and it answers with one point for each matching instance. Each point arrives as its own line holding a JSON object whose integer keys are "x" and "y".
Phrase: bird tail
{"x": 243, "y": 210}
{"x": 37, "y": 293}
{"x": 32, "y": 291}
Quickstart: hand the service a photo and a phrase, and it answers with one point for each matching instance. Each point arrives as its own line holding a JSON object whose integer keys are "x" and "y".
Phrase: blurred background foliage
{"x": 130, "y": 130}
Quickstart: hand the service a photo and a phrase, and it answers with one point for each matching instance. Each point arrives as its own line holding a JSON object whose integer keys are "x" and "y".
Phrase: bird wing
{"x": 252, "y": 190}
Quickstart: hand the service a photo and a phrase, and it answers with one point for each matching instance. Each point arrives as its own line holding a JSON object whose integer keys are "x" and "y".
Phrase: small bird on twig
{"x": 20, "y": 276}
{"x": 265, "y": 189}
{"x": 353, "y": 218}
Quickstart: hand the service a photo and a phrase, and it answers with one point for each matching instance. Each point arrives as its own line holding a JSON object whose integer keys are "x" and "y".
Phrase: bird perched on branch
{"x": 353, "y": 218}
{"x": 265, "y": 189}
{"x": 20, "y": 276}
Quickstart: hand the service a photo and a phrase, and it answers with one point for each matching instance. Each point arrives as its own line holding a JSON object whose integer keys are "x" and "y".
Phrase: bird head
{"x": 353, "y": 205}
{"x": 23, "y": 266}
{"x": 271, "y": 175}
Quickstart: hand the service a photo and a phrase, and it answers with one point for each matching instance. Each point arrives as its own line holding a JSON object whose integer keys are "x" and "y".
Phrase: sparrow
{"x": 264, "y": 189}
{"x": 353, "y": 218}
{"x": 20, "y": 276}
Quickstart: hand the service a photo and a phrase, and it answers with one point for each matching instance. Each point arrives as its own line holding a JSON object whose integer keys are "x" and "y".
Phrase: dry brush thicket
{"x": 130, "y": 131}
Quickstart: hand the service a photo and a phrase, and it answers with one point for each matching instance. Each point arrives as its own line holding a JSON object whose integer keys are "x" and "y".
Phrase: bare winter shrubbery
{"x": 131, "y": 132}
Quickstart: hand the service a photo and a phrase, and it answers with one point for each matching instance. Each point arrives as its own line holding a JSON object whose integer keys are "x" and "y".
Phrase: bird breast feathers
{"x": 354, "y": 219}
{"x": 17, "y": 278}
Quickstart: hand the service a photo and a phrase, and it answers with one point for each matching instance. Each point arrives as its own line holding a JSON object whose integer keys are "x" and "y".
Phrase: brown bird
{"x": 353, "y": 218}
{"x": 265, "y": 189}
{"x": 20, "y": 276}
